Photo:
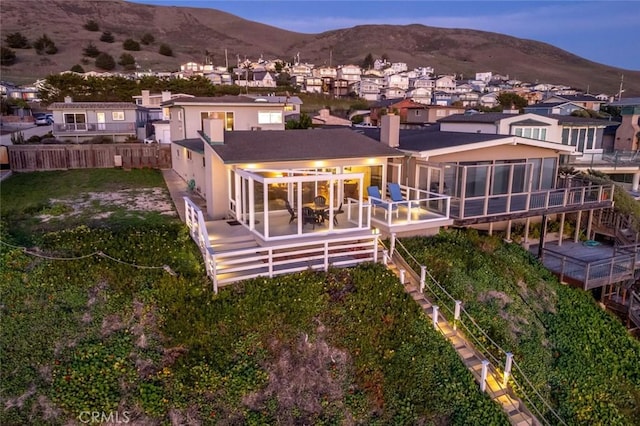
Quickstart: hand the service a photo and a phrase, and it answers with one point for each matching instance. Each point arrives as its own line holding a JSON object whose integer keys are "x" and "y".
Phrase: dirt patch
{"x": 100, "y": 205}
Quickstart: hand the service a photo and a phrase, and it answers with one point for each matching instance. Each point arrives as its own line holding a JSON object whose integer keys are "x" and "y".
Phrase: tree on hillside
{"x": 7, "y": 56}
{"x": 105, "y": 61}
{"x": 91, "y": 25}
{"x": 45, "y": 45}
{"x": 107, "y": 37}
{"x": 91, "y": 50}
{"x": 510, "y": 99}
{"x": 131, "y": 44}
{"x": 77, "y": 68}
{"x": 147, "y": 38}
{"x": 127, "y": 61}
{"x": 17, "y": 41}
{"x": 368, "y": 61}
{"x": 165, "y": 50}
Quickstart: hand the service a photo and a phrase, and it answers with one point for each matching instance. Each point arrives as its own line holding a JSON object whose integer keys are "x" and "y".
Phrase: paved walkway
{"x": 178, "y": 190}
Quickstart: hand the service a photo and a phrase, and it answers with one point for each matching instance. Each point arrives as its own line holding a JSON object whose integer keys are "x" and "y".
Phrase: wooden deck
{"x": 589, "y": 266}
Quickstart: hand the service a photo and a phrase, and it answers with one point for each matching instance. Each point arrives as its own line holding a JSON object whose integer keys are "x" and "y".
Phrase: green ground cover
{"x": 94, "y": 334}
{"x": 579, "y": 357}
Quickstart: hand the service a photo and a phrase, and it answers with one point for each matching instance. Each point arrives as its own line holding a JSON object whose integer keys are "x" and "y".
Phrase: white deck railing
{"x": 418, "y": 206}
{"x": 230, "y": 266}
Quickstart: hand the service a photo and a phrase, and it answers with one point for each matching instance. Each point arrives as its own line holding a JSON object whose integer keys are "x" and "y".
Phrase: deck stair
{"x": 516, "y": 411}
{"x": 233, "y": 243}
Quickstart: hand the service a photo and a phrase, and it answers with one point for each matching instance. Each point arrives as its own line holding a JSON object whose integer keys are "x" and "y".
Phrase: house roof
{"x": 546, "y": 105}
{"x": 530, "y": 122}
{"x": 208, "y": 100}
{"x": 577, "y": 98}
{"x": 569, "y": 119}
{"x": 432, "y": 141}
{"x": 485, "y": 117}
{"x": 196, "y": 145}
{"x": 295, "y": 145}
{"x": 93, "y": 105}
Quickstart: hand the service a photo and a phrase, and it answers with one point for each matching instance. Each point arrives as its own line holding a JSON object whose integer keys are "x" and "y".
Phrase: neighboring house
{"x": 339, "y": 88}
{"x": 237, "y": 113}
{"x": 436, "y": 112}
{"x": 445, "y": 83}
{"x": 442, "y": 98}
{"x": 322, "y": 72}
{"x": 585, "y": 101}
{"x": 467, "y": 100}
{"x": 351, "y": 73}
{"x": 421, "y": 95}
{"x": 549, "y": 108}
{"x": 368, "y": 89}
{"x": 398, "y": 106}
{"x": 495, "y": 180}
{"x": 325, "y": 119}
{"x": 393, "y": 93}
{"x": 312, "y": 85}
{"x": 291, "y": 104}
{"x": 397, "y": 80}
{"x": 489, "y": 100}
{"x": 264, "y": 79}
{"x": 153, "y": 102}
{"x": 83, "y": 121}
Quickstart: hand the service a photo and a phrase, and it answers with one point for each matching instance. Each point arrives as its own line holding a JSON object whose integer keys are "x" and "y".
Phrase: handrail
{"x": 396, "y": 243}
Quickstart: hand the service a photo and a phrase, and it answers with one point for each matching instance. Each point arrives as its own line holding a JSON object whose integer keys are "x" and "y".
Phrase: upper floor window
{"x": 117, "y": 115}
{"x": 269, "y": 117}
{"x": 538, "y": 133}
{"x": 226, "y": 116}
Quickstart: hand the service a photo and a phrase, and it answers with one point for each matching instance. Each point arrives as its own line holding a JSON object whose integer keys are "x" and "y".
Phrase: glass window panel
{"x": 518, "y": 131}
{"x": 536, "y": 163}
{"x": 548, "y": 173}
{"x": 565, "y": 136}
{"x": 519, "y": 178}
{"x": 476, "y": 180}
{"x": 536, "y": 133}
{"x": 581, "y": 139}
{"x": 527, "y": 133}
{"x": 591, "y": 140}
{"x": 574, "y": 137}
{"x": 543, "y": 134}
{"x": 500, "y": 179}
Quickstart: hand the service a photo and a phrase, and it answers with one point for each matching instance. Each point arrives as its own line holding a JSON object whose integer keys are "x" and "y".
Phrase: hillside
{"x": 192, "y": 31}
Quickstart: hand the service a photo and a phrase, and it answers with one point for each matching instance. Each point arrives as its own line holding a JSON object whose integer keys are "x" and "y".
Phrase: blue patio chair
{"x": 396, "y": 194}
{"x": 376, "y": 200}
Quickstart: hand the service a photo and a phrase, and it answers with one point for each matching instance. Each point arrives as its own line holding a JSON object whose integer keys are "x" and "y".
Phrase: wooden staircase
{"x": 516, "y": 411}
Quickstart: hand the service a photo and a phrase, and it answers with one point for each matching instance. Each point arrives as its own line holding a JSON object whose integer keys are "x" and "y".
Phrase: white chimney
{"x": 68, "y": 100}
{"x": 390, "y": 130}
{"x": 145, "y": 97}
{"x": 214, "y": 129}
{"x": 166, "y": 95}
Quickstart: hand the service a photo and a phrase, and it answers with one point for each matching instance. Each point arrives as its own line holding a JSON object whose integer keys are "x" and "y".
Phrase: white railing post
{"x": 423, "y": 276}
{"x": 393, "y": 244}
{"x": 375, "y": 248}
{"x": 507, "y": 368}
{"x": 456, "y": 314}
{"x": 434, "y": 316}
{"x": 385, "y": 257}
{"x": 483, "y": 375}
{"x": 402, "y": 274}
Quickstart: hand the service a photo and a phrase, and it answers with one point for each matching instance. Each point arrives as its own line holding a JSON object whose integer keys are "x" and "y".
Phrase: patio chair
{"x": 292, "y": 212}
{"x": 320, "y": 201}
{"x": 309, "y": 216}
{"x": 336, "y": 212}
{"x": 376, "y": 200}
{"x": 396, "y": 194}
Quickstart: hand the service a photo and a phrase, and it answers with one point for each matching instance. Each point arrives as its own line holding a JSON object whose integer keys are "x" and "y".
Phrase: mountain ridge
{"x": 191, "y": 32}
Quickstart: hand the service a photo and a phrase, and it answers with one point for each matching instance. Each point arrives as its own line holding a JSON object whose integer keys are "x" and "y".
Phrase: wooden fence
{"x": 29, "y": 158}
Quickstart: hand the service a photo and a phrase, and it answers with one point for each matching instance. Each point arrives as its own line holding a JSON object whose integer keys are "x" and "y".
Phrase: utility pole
{"x": 621, "y": 89}
{"x": 226, "y": 59}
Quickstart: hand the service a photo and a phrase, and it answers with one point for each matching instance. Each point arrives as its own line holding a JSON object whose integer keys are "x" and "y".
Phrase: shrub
{"x": 147, "y": 39}
{"x": 77, "y": 68}
{"x": 91, "y": 51}
{"x": 127, "y": 61}
{"x": 7, "y": 56}
{"x": 91, "y": 25}
{"x": 105, "y": 61}
{"x": 165, "y": 50}
{"x": 45, "y": 45}
{"x": 107, "y": 37}
{"x": 17, "y": 41}
{"x": 100, "y": 139}
{"x": 130, "y": 44}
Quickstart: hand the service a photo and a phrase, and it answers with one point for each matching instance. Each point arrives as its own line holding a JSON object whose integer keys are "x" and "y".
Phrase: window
{"x": 75, "y": 121}
{"x": 117, "y": 115}
{"x": 538, "y": 133}
{"x": 188, "y": 155}
{"x": 220, "y": 115}
{"x": 565, "y": 136}
{"x": 269, "y": 117}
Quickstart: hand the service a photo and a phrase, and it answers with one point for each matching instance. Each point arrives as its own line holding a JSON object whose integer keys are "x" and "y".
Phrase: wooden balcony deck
{"x": 587, "y": 266}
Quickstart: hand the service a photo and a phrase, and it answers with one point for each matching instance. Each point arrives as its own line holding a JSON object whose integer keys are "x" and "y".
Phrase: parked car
{"x": 43, "y": 119}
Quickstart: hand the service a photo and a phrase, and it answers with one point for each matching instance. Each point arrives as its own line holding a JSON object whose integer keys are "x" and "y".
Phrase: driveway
{"x": 27, "y": 131}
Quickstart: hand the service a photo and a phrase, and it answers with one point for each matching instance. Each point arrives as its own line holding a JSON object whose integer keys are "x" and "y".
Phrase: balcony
{"x": 61, "y": 129}
{"x": 614, "y": 159}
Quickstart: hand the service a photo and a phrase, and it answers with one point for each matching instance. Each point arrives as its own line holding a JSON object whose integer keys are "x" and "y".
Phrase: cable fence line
{"x": 25, "y": 250}
{"x": 479, "y": 337}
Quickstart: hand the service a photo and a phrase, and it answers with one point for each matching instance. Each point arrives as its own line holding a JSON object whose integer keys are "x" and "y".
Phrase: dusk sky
{"x": 602, "y": 31}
